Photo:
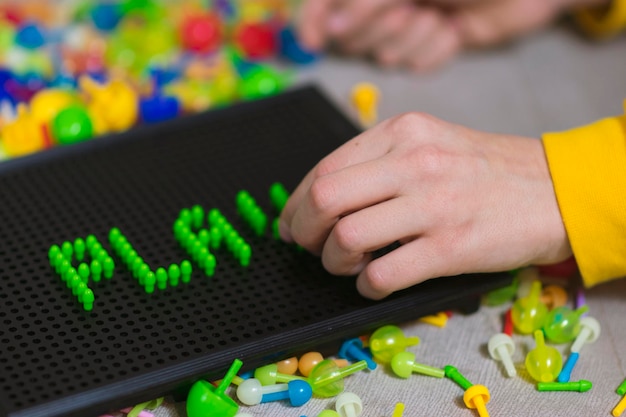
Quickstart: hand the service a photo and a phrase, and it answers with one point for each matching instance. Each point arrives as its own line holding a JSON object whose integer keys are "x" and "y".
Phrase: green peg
{"x": 278, "y": 196}
{"x": 161, "y": 278}
{"x": 216, "y": 237}
{"x": 108, "y": 266}
{"x": 142, "y": 273}
{"x": 245, "y": 253}
{"x": 88, "y": 300}
{"x": 389, "y": 340}
{"x": 214, "y": 216}
{"x": 528, "y": 313}
{"x": 89, "y": 241}
{"x": 454, "y": 374}
{"x": 276, "y": 228}
{"x": 326, "y": 378}
{"x": 95, "y": 247}
{"x": 69, "y": 274}
{"x": 63, "y": 266}
{"x": 83, "y": 272}
{"x": 185, "y": 271}
{"x": 621, "y": 390}
{"x": 80, "y": 290}
{"x": 174, "y": 274}
{"x": 67, "y": 249}
{"x": 135, "y": 265}
{"x": 100, "y": 255}
{"x": 580, "y": 386}
{"x": 209, "y": 265}
{"x": 186, "y": 217}
{"x": 96, "y": 270}
{"x": 403, "y": 365}
{"x": 57, "y": 260}
{"x": 149, "y": 282}
{"x": 79, "y": 249}
{"x": 114, "y": 234}
{"x": 205, "y": 400}
{"x": 562, "y": 324}
{"x": 53, "y": 252}
{"x": 204, "y": 237}
{"x": 73, "y": 281}
{"x": 197, "y": 213}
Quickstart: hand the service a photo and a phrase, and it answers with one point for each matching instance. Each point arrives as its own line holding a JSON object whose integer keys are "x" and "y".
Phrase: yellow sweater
{"x": 588, "y": 168}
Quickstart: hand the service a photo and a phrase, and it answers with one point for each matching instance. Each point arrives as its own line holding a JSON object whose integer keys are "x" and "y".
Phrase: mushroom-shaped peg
{"x": 501, "y": 348}
{"x": 349, "y": 404}
{"x": 476, "y": 397}
{"x": 589, "y": 333}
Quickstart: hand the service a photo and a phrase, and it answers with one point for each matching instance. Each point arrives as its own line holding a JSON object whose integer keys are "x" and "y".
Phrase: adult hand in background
{"x": 422, "y": 35}
{"x": 457, "y": 200}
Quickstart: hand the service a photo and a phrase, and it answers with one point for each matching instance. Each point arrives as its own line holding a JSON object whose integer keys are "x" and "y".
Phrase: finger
{"x": 355, "y": 236}
{"x": 355, "y": 15}
{"x": 364, "y": 147}
{"x": 390, "y": 24}
{"x": 488, "y": 23}
{"x": 312, "y": 21}
{"x": 396, "y": 51}
{"x": 417, "y": 261}
{"x": 439, "y": 48}
{"x": 335, "y": 195}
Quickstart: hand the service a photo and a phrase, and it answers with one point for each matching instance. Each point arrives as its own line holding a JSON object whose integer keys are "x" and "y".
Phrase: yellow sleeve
{"x": 588, "y": 169}
{"x": 603, "y": 21}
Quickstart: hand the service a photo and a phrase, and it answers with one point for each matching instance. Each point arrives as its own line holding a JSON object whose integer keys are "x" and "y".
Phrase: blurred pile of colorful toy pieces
{"x": 71, "y": 70}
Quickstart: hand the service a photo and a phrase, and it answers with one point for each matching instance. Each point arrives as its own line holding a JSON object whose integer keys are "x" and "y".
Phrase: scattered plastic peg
{"x": 348, "y": 404}
{"x": 476, "y": 397}
{"x": 454, "y": 374}
{"x": 205, "y": 400}
{"x": 619, "y": 408}
{"x": 389, "y": 340}
{"x": 243, "y": 415}
{"x": 589, "y": 333}
{"x": 326, "y": 378}
{"x": 621, "y": 390}
{"x": 566, "y": 372}
{"x": 544, "y": 362}
{"x": 269, "y": 375}
{"x": 528, "y": 313}
{"x": 398, "y": 410}
{"x": 403, "y": 365}
{"x": 440, "y": 319}
{"x": 502, "y": 295}
{"x": 562, "y": 324}
{"x": 288, "y": 366}
{"x": 365, "y": 98}
{"x": 252, "y": 392}
{"x": 352, "y": 350}
{"x": 508, "y": 323}
{"x": 580, "y": 386}
{"x": 526, "y": 277}
{"x": 554, "y": 296}
{"x": 309, "y": 360}
{"x": 501, "y": 348}
{"x": 328, "y": 413}
{"x": 580, "y": 297}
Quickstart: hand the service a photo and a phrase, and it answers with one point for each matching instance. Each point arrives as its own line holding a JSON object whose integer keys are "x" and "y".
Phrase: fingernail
{"x": 285, "y": 233}
{"x": 338, "y": 23}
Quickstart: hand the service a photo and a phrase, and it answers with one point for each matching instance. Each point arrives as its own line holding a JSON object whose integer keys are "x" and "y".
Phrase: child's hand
{"x": 421, "y": 35}
{"x": 458, "y": 200}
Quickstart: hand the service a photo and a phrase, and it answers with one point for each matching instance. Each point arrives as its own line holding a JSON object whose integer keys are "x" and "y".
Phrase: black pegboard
{"x": 58, "y": 360}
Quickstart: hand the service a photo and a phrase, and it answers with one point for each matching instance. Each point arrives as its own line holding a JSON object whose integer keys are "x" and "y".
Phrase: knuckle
{"x": 379, "y": 276}
{"x": 323, "y": 195}
{"x": 347, "y": 236}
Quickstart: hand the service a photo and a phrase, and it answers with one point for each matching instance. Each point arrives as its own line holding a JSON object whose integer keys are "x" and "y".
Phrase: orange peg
{"x": 308, "y": 361}
{"x": 288, "y": 366}
{"x": 553, "y": 296}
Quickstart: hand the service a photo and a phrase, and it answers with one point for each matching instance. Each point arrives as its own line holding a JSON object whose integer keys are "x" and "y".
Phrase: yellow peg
{"x": 620, "y": 407}
{"x": 365, "y": 98}
{"x": 477, "y": 396}
{"x": 440, "y": 319}
{"x": 399, "y": 410}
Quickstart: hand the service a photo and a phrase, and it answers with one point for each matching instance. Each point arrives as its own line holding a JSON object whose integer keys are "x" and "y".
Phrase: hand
{"x": 457, "y": 200}
{"x": 421, "y": 35}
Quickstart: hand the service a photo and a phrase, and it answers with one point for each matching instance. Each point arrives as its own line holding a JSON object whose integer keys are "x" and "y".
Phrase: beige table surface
{"x": 551, "y": 81}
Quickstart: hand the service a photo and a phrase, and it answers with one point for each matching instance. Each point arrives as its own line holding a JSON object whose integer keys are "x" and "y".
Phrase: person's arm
{"x": 603, "y": 21}
{"x": 588, "y": 169}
